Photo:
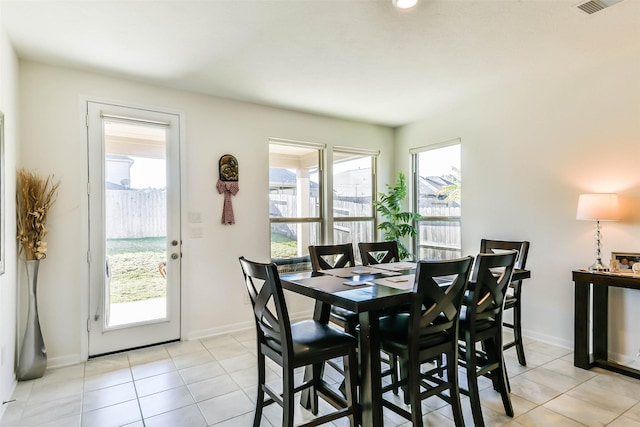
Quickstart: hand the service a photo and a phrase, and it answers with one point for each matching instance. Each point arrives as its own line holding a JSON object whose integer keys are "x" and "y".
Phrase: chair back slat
{"x": 438, "y": 290}
{"x": 379, "y": 252}
{"x": 269, "y": 306}
{"x": 492, "y": 273}
{"x": 324, "y": 257}
{"x": 488, "y": 246}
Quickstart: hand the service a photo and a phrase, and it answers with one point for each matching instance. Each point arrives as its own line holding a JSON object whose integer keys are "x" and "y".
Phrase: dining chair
{"x": 378, "y": 252}
{"x": 481, "y": 322}
{"x": 372, "y": 253}
{"x": 294, "y": 345}
{"x": 324, "y": 257}
{"x": 426, "y": 333}
{"x": 513, "y": 300}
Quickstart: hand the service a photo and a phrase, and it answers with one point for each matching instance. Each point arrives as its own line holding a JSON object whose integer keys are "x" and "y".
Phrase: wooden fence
{"x": 135, "y": 213}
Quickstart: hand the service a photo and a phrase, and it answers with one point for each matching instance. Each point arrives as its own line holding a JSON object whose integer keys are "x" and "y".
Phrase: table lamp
{"x": 598, "y": 207}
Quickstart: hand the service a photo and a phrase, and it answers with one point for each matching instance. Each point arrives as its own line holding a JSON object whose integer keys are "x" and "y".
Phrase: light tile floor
{"x": 211, "y": 382}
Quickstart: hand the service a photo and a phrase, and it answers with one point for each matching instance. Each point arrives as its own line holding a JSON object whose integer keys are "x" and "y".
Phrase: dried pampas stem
{"x": 35, "y": 197}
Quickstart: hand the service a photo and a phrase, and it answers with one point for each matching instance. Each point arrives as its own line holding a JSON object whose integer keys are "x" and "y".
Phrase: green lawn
{"x": 134, "y": 265}
{"x": 282, "y": 246}
{"x": 134, "y": 268}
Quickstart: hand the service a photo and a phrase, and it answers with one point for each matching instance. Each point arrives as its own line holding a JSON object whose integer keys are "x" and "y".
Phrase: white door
{"x": 134, "y": 227}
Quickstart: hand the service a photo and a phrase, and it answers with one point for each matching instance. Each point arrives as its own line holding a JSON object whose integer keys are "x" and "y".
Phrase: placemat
{"x": 358, "y": 270}
{"x": 404, "y": 282}
{"x": 402, "y": 265}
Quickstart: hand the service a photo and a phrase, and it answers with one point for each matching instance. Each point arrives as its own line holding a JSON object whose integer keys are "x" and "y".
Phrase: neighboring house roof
{"x": 118, "y": 157}
{"x": 114, "y": 186}
{"x": 284, "y": 178}
{"x": 346, "y": 183}
{"x": 430, "y": 187}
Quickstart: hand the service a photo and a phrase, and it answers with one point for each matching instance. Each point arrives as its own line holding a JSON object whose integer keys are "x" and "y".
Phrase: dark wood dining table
{"x": 368, "y": 291}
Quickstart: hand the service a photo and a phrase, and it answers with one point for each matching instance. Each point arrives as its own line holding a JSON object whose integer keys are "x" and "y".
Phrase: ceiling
{"x": 356, "y": 59}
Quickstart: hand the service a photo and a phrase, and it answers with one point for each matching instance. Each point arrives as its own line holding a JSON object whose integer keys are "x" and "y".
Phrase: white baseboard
{"x": 630, "y": 360}
{"x": 62, "y": 361}
{"x": 237, "y": 327}
{"x": 549, "y": 339}
{"x": 74, "y": 359}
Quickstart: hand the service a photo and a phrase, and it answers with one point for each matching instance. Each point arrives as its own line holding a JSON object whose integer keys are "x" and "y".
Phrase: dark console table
{"x": 596, "y": 309}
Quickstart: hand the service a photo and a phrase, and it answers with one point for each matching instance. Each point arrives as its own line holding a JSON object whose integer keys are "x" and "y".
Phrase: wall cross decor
{"x": 228, "y": 185}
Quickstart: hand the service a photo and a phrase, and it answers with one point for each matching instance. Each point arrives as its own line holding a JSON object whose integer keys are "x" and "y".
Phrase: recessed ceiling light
{"x": 404, "y": 4}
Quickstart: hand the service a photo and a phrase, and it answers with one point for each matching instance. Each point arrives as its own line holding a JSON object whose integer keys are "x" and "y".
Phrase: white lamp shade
{"x": 601, "y": 207}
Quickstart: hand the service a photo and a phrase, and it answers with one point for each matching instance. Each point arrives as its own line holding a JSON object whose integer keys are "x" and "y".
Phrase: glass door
{"x": 134, "y": 227}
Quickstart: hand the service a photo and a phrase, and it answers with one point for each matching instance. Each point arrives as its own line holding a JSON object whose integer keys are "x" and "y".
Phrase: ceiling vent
{"x": 592, "y": 6}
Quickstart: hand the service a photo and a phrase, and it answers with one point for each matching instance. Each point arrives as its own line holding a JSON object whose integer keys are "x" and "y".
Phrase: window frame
{"x": 320, "y": 219}
{"x": 415, "y": 153}
{"x": 331, "y": 218}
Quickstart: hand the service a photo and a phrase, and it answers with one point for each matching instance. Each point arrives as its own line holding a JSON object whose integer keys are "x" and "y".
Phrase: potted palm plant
{"x": 397, "y": 224}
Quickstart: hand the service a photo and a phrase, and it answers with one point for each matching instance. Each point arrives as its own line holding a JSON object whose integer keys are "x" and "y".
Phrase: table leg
{"x": 370, "y": 375}
{"x": 600, "y": 322}
{"x": 581, "y": 325}
{"x": 321, "y": 313}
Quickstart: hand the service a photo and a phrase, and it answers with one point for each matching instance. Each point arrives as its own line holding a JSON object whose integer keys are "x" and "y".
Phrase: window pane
{"x": 294, "y": 193}
{"x": 294, "y": 182}
{"x": 433, "y": 234}
{"x": 439, "y": 188}
{"x": 135, "y": 218}
{"x": 290, "y": 244}
{"x": 352, "y": 185}
{"x": 353, "y": 232}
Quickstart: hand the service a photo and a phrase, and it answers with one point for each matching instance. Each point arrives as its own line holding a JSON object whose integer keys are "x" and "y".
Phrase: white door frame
{"x": 84, "y": 213}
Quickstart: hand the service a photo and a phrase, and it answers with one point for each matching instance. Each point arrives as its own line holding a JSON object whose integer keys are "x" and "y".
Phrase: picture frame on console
{"x": 622, "y": 262}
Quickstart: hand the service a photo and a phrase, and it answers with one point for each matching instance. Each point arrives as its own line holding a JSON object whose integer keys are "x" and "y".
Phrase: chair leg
{"x": 287, "y": 398}
{"x": 499, "y": 374}
{"x": 490, "y": 347}
{"x": 504, "y": 390}
{"x": 413, "y": 388}
{"x": 349, "y": 327}
{"x": 472, "y": 383}
{"x": 454, "y": 390}
{"x": 317, "y": 378}
{"x": 503, "y": 382}
{"x": 404, "y": 375}
{"x": 393, "y": 365}
{"x": 260, "y": 397}
{"x": 351, "y": 390}
{"x": 517, "y": 334}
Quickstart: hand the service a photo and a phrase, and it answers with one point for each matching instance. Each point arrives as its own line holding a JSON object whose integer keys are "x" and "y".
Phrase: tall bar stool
{"x": 373, "y": 253}
{"x": 513, "y": 299}
{"x": 481, "y": 322}
{"x": 296, "y": 345}
{"x": 426, "y": 333}
{"x": 325, "y": 257}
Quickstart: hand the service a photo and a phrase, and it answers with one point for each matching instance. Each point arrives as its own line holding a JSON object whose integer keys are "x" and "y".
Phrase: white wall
{"x": 51, "y": 125}
{"x": 528, "y": 151}
{"x": 9, "y": 106}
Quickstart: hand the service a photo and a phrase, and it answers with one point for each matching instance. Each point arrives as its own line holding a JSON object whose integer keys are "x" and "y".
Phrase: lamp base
{"x": 598, "y": 266}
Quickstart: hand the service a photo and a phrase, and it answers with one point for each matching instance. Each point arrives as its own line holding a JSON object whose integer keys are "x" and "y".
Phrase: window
{"x": 295, "y": 202}
{"x": 354, "y": 173}
{"x": 437, "y": 190}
